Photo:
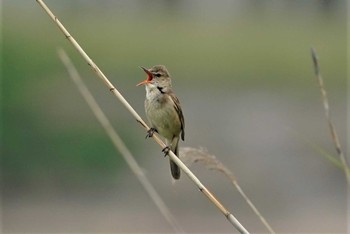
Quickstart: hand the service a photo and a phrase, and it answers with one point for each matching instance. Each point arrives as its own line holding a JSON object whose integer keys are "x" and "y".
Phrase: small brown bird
{"x": 163, "y": 111}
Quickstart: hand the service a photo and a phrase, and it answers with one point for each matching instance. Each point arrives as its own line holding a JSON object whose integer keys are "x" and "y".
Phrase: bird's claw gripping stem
{"x": 166, "y": 150}
{"x": 150, "y": 132}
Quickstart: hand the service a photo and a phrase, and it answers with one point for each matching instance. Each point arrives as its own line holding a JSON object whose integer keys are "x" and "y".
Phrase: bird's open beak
{"x": 149, "y": 77}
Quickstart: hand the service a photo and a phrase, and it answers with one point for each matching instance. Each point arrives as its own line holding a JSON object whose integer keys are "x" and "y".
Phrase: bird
{"x": 163, "y": 111}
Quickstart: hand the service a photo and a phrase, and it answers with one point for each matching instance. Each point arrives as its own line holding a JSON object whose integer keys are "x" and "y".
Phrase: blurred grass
{"x": 268, "y": 52}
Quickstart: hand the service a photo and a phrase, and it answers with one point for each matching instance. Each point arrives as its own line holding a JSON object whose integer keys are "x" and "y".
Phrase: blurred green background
{"x": 243, "y": 73}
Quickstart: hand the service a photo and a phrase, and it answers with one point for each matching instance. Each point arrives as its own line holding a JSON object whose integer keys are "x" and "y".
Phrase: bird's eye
{"x": 157, "y": 74}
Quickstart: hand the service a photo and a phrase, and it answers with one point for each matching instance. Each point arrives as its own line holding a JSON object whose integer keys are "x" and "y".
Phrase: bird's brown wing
{"x": 179, "y": 112}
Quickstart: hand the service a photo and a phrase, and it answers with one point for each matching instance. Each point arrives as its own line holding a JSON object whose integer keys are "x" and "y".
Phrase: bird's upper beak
{"x": 149, "y": 77}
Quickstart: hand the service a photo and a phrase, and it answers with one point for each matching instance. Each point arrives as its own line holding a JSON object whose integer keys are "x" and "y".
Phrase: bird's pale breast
{"x": 163, "y": 116}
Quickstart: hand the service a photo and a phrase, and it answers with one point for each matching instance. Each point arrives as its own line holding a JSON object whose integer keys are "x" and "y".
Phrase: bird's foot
{"x": 166, "y": 150}
{"x": 150, "y": 132}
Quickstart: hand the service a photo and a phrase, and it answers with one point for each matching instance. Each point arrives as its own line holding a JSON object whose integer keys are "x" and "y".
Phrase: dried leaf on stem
{"x": 191, "y": 155}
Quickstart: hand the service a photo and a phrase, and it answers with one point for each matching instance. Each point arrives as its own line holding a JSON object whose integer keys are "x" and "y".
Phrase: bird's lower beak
{"x": 149, "y": 78}
{"x": 143, "y": 82}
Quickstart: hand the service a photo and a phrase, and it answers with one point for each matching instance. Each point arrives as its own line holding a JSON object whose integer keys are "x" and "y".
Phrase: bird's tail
{"x": 175, "y": 170}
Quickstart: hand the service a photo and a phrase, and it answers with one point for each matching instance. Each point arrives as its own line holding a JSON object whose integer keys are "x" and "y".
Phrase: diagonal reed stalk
{"x": 118, "y": 142}
{"x": 229, "y": 216}
{"x": 334, "y": 134}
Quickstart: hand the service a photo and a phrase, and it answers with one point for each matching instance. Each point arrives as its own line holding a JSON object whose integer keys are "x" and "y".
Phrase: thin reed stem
{"x": 173, "y": 157}
{"x": 334, "y": 135}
